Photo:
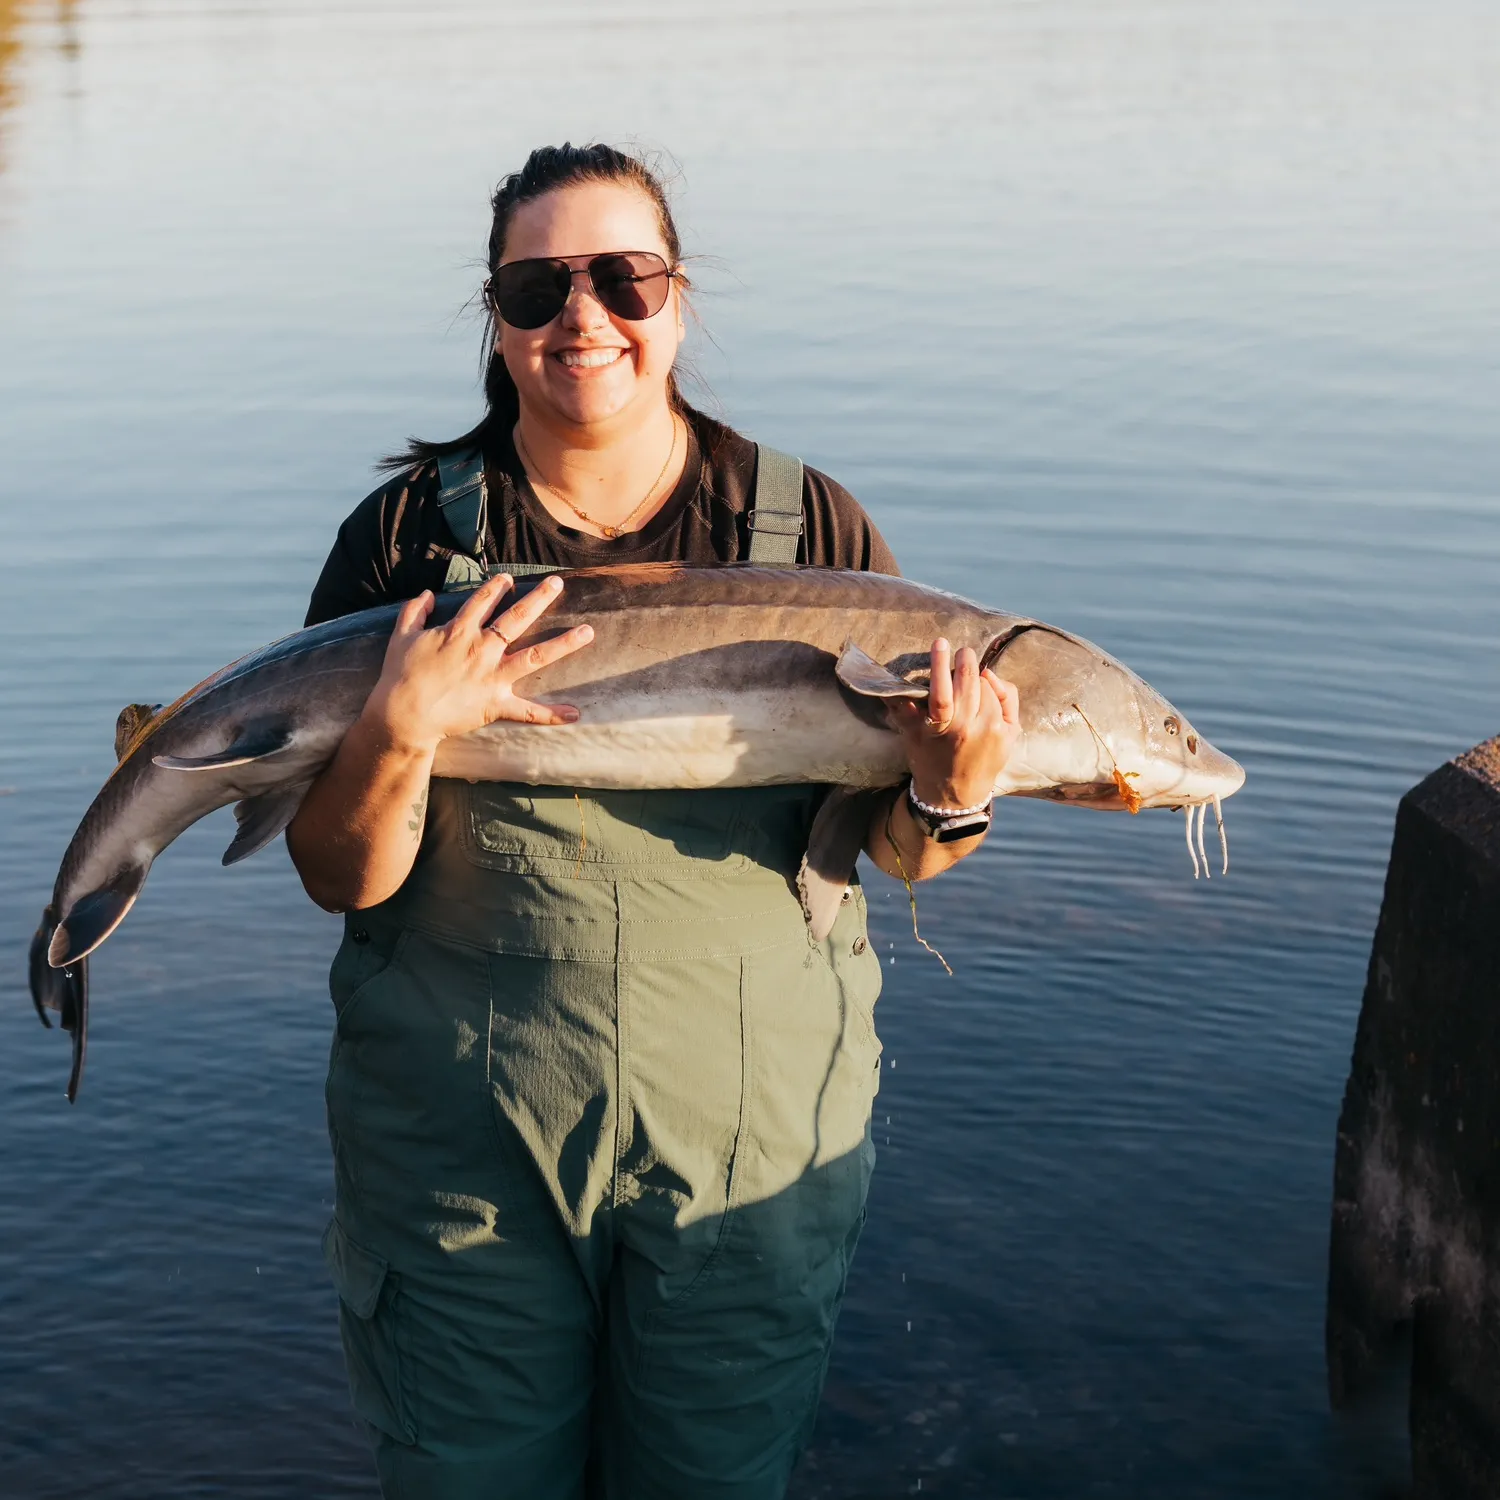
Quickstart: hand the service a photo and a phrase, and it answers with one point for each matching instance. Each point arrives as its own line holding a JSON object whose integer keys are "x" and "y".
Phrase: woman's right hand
{"x": 448, "y": 680}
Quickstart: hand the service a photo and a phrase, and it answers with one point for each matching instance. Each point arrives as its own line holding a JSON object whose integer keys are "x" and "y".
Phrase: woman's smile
{"x": 589, "y": 359}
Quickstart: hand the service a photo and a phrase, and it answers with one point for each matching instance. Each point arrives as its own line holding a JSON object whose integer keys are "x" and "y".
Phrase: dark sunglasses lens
{"x": 530, "y": 293}
{"x": 632, "y": 285}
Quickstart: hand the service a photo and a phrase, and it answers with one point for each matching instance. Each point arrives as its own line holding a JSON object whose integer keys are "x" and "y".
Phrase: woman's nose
{"x": 583, "y": 312}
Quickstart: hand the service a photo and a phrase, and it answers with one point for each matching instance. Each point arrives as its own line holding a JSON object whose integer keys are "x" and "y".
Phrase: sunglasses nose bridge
{"x": 578, "y": 296}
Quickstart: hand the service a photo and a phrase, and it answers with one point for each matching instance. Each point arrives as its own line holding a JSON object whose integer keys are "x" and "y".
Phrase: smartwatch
{"x": 950, "y": 825}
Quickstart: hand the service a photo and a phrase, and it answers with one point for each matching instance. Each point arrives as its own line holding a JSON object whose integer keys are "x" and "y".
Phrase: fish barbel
{"x": 697, "y": 677}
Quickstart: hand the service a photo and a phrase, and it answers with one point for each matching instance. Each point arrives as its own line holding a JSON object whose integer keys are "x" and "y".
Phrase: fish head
{"x": 1094, "y": 733}
{"x": 1177, "y": 766}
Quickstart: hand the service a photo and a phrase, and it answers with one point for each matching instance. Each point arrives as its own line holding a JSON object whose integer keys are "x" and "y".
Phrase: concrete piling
{"x": 1416, "y": 1204}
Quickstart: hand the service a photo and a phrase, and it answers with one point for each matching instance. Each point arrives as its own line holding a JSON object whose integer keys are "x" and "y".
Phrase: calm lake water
{"x": 1176, "y": 324}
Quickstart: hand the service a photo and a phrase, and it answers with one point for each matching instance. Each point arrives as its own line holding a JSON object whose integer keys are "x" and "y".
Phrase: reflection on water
{"x": 10, "y": 52}
{"x": 1172, "y": 324}
{"x": 15, "y": 15}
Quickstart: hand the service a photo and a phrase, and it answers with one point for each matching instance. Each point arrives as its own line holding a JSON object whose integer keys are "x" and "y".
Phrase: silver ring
{"x": 504, "y": 639}
{"x": 939, "y": 728}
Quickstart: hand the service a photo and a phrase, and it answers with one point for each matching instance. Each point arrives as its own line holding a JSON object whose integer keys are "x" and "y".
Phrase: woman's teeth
{"x": 589, "y": 359}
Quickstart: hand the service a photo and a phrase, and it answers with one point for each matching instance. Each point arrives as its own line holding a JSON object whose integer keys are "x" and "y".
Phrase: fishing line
{"x": 1128, "y": 794}
{"x": 911, "y": 895}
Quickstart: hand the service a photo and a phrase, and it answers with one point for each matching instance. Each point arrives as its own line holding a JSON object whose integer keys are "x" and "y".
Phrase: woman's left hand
{"x": 957, "y": 743}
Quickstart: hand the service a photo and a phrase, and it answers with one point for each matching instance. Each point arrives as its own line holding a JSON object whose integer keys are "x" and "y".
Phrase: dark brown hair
{"x": 546, "y": 170}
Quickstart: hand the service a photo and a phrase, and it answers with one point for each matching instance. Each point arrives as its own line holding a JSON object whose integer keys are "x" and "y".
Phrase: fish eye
{"x": 1172, "y": 724}
{"x": 1192, "y": 744}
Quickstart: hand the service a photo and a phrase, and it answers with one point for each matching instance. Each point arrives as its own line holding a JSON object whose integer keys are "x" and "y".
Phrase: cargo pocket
{"x": 371, "y": 945}
{"x": 371, "y": 1324}
{"x": 851, "y": 956}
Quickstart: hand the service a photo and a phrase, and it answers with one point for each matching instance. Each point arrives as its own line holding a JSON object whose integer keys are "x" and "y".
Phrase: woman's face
{"x": 588, "y": 367}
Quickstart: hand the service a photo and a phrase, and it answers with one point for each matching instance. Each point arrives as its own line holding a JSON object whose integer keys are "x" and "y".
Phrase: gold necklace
{"x": 610, "y": 532}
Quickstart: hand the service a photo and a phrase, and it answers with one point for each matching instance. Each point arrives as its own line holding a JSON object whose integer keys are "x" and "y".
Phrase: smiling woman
{"x": 599, "y": 1102}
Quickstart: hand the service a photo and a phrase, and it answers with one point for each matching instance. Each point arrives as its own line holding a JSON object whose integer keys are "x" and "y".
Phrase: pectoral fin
{"x": 862, "y": 674}
{"x": 133, "y": 721}
{"x": 833, "y": 845}
{"x": 254, "y": 744}
{"x": 261, "y": 818}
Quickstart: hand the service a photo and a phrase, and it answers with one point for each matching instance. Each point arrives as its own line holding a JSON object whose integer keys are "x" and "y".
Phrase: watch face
{"x": 951, "y": 830}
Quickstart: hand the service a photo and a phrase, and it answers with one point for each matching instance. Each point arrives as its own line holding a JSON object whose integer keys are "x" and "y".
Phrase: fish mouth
{"x": 1211, "y": 779}
{"x": 1218, "y": 778}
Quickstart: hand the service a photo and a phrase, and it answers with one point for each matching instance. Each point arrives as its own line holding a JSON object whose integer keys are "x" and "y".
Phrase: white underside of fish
{"x": 752, "y": 739}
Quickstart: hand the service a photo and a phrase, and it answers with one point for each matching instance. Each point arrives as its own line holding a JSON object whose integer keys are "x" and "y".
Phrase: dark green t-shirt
{"x": 396, "y": 543}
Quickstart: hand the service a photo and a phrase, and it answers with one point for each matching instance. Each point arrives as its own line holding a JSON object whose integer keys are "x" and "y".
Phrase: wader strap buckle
{"x": 775, "y": 517}
{"x": 462, "y": 501}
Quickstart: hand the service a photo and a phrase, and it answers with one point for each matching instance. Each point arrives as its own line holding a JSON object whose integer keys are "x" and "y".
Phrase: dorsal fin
{"x": 134, "y": 720}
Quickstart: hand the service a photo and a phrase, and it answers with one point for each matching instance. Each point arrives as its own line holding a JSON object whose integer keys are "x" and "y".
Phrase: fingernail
{"x": 585, "y": 632}
{"x": 568, "y": 714}
{"x": 940, "y": 645}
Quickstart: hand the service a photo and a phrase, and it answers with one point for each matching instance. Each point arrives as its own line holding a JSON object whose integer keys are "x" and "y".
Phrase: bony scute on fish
{"x": 697, "y": 677}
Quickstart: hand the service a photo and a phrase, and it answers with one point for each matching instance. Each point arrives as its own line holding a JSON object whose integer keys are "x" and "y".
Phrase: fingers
{"x": 940, "y": 686}
{"x": 965, "y": 686}
{"x": 523, "y": 711}
{"x": 412, "y": 616}
{"x": 1009, "y": 696}
{"x": 477, "y": 607}
{"x": 544, "y": 653}
{"x": 525, "y": 612}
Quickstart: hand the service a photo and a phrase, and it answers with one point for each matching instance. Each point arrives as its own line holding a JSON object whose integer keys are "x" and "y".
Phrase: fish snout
{"x": 1205, "y": 774}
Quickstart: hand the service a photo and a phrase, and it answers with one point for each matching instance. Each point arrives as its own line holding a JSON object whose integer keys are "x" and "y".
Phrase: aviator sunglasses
{"x": 631, "y": 284}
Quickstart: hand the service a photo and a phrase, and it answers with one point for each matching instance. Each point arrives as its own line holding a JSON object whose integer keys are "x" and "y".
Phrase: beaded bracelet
{"x": 946, "y": 812}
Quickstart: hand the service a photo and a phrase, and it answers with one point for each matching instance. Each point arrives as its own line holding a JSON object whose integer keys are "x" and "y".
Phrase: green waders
{"x": 600, "y": 1119}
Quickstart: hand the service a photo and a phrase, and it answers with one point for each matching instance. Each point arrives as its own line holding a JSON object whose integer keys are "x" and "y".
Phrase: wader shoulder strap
{"x": 464, "y": 502}
{"x": 775, "y": 508}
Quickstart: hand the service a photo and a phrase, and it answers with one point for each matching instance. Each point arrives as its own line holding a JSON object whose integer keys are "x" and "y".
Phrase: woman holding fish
{"x": 599, "y": 1103}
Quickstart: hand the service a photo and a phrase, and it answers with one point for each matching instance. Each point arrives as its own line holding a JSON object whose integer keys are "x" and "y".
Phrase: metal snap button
{"x": 848, "y": 895}
{"x": 360, "y": 935}
{"x": 860, "y": 945}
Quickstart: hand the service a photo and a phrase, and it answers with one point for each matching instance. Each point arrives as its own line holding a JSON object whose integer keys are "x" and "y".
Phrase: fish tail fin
{"x": 62, "y": 990}
{"x": 75, "y": 1019}
{"x": 47, "y": 984}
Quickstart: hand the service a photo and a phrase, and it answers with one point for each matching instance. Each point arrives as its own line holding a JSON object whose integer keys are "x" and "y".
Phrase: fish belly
{"x": 751, "y": 739}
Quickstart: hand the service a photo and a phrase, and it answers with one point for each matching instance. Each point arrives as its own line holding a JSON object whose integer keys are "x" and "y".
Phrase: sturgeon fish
{"x": 697, "y": 677}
